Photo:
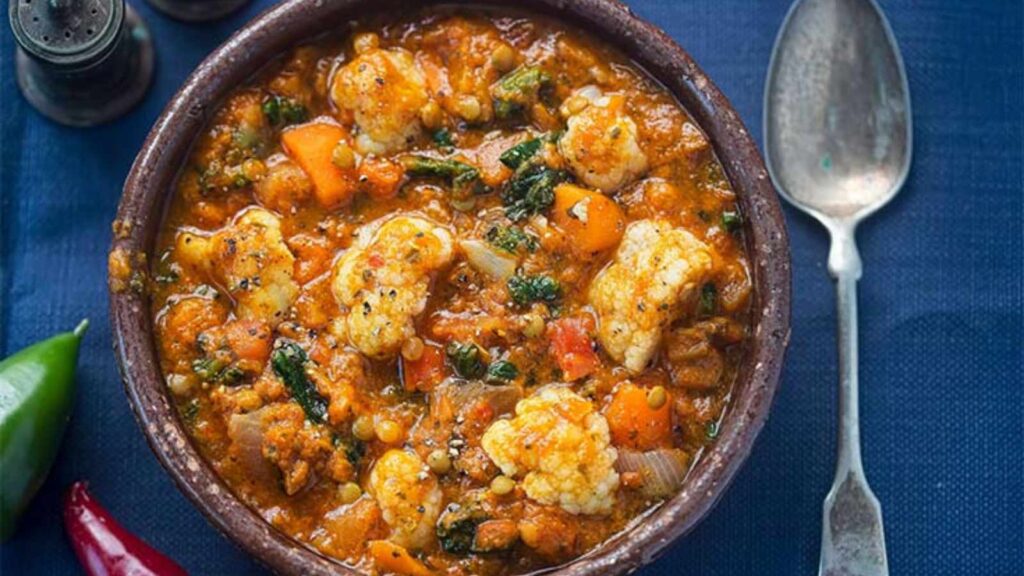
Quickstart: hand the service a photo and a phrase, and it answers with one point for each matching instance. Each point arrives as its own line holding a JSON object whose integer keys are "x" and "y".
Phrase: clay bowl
{"x": 151, "y": 181}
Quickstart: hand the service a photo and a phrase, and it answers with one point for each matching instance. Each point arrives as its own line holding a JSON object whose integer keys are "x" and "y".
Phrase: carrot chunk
{"x": 395, "y": 559}
{"x": 634, "y": 424}
{"x": 312, "y": 147}
{"x": 593, "y": 221}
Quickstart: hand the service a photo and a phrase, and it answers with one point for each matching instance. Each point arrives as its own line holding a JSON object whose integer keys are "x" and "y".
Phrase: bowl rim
{"x": 150, "y": 182}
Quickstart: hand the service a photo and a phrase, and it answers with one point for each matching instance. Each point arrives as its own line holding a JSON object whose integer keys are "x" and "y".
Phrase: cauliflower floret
{"x": 382, "y": 281}
{"x": 384, "y": 91}
{"x": 250, "y": 260}
{"x": 559, "y": 444}
{"x": 408, "y": 495}
{"x": 656, "y": 269}
{"x": 600, "y": 143}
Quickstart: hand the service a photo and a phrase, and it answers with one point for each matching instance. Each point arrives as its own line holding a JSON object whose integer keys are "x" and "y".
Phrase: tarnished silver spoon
{"x": 837, "y": 129}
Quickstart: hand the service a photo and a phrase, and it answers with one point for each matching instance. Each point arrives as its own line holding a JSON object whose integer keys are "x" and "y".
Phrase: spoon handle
{"x": 852, "y": 537}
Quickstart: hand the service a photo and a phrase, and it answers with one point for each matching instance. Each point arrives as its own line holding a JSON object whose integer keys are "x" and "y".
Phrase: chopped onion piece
{"x": 486, "y": 259}
{"x": 662, "y": 471}
{"x": 464, "y": 394}
{"x": 590, "y": 92}
{"x": 246, "y": 434}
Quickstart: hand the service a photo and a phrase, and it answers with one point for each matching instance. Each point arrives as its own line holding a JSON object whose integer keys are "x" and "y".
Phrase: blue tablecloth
{"x": 941, "y": 320}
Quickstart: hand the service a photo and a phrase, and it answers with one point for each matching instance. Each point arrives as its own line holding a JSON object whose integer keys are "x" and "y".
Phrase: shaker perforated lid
{"x": 81, "y": 62}
{"x": 67, "y": 32}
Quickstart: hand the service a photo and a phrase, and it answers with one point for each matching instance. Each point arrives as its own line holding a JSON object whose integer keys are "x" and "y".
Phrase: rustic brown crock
{"x": 151, "y": 181}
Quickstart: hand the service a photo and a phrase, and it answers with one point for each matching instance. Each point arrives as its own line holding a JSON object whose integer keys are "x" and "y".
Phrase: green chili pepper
{"x": 37, "y": 391}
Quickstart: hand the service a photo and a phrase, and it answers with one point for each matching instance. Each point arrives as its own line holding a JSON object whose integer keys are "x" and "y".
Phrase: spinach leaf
{"x": 466, "y": 359}
{"x": 217, "y": 371}
{"x": 289, "y": 363}
{"x": 456, "y": 528}
{"x": 281, "y": 111}
{"x": 502, "y": 371}
{"x": 417, "y": 165}
{"x": 353, "y": 448}
{"x": 521, "y": 153}
{"x": 465, "y": 179}
{"x": 517, "y": 89}
{"x": 443, "y": 138}
{"x": 708, "y": 299}
{"x": 516, "y": 155}
{"x": 190, "y": 411}
{"x": 531, "y": 190}
{"x": 731, "y": 221}
{"x": 511, "y": 238}
{"x": 527, "y": 289}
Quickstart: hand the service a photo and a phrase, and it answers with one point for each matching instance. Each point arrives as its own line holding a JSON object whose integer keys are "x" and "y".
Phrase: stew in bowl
{"x": 463, "y": 291}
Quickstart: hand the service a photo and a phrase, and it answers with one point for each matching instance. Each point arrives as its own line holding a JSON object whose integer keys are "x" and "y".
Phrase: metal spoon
{"x": 837, "y": 131}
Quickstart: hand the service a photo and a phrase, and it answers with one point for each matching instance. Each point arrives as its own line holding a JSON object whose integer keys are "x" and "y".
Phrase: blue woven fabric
{"x": 941, "y": 320}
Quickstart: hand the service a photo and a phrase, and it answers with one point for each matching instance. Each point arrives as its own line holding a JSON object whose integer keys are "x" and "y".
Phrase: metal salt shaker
{"x": 81, "y": 62}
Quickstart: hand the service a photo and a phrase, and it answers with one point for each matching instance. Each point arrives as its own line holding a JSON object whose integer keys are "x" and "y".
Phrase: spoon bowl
{"x": 837, "y": 110}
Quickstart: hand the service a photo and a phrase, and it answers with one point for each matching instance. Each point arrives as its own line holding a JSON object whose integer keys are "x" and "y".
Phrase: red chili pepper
{"x": 104, "y": 547}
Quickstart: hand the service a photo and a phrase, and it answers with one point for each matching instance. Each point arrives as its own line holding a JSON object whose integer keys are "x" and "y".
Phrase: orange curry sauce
{"x": 421, "y": 353}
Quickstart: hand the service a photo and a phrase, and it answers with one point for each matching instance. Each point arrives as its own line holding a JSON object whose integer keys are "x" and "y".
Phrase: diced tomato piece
{"x": 424, "y": 374}
{"x": 572, "y": 347}
{"x": 482, "y": 412}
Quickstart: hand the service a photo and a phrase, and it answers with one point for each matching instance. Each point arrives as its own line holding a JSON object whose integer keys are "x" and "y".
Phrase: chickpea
{"x": 365, "y": 42}
{"x": 349, "y": 492}
{"x": 573, "y": 105}
{"x": 439, "y": 462}
{"x": 529, "y": 533}
{"x": 412, "y": 349}
{"x": 253, "y": 169}
{"x": 533, "y": 325}
{"x": 656, "y": 397}
{"x": 389, "y": 431}
{"x": 502, "y": 485}
{"x": 503, "y": 58}
{"x": 362, "y": 428}
{"x": 469, "y": 108}
{"x": 431, "y": 115}
{"x": 180, "y": 384}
